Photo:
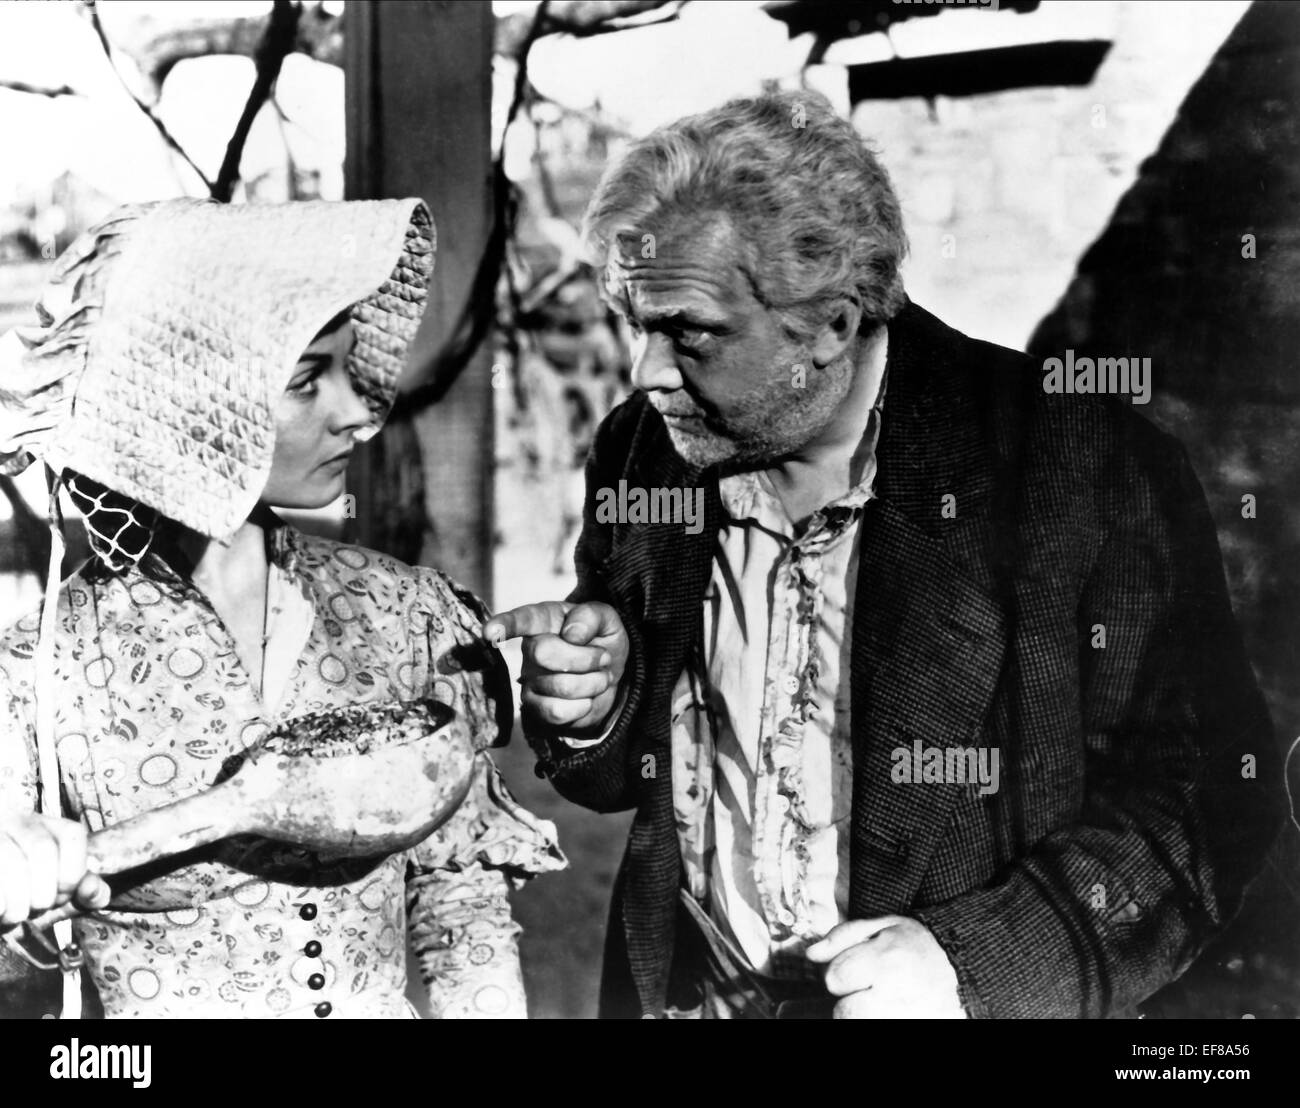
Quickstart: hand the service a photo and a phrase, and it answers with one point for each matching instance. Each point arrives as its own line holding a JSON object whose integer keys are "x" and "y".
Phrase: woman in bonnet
{"x": 199, "y": 364}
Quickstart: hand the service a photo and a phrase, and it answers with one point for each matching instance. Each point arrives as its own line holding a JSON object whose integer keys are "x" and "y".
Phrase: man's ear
{"x": 836, "y": 335}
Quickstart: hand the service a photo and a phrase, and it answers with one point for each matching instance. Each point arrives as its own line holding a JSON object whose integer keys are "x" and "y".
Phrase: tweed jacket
{"x": 1068, "y": 608}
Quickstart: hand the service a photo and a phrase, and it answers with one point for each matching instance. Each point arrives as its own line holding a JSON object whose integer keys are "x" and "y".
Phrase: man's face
{"x": 715, "y": 361}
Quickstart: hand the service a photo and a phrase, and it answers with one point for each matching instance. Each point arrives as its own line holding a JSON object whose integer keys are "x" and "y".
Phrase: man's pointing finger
{"x": 543, "y": 618}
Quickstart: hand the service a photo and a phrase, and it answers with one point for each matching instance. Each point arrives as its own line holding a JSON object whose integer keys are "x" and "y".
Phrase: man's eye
{"x": 691, "y": 338}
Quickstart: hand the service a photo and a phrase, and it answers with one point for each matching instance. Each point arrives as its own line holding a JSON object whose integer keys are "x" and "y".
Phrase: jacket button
{"x": 316, "y": 981}
{"x": 307, "y": 911}
{"x": 312, "y": 949}
{"x": 323, "y": 1009}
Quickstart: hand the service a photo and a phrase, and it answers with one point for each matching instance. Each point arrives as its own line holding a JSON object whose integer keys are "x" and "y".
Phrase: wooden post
{"x": 419, "y": 99}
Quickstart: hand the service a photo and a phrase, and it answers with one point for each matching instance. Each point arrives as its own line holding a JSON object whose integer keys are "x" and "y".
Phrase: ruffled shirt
{"x": 762, "y": 758}
{"x": 153, "y": 698}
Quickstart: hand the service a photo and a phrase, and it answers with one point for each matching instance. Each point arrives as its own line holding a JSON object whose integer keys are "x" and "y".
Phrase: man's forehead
{"x": 690, "y": 259}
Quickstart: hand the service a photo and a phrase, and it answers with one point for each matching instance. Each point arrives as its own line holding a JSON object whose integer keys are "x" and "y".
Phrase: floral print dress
{"x": 153, "y": 698}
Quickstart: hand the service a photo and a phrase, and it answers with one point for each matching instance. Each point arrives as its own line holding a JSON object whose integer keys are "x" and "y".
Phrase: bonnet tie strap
{"x": 47, "y": 756}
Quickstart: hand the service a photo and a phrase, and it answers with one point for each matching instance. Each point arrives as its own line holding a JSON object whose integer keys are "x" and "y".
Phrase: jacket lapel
{"x": 661, "y": 569}
{"x": 928, "y": 640}
{"x": 660, "y": 573}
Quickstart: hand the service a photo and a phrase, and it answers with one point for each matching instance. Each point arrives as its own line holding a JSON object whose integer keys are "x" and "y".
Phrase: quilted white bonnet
{"x": 171, "y": 330}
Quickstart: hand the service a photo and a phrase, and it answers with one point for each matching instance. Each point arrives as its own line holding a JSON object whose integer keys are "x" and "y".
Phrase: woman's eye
{"x": 306, "y": 388}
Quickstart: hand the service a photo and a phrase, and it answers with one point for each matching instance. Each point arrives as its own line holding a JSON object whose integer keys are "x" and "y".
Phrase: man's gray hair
{"x": 812, "y": 206}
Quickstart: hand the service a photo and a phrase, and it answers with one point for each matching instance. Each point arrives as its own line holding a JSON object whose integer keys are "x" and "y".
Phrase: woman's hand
{"x": 574, "y": 656}
{"x": 43, "y": 865}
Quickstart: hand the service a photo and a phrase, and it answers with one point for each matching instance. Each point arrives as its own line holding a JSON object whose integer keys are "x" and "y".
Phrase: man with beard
{"x": 915, "y": 563}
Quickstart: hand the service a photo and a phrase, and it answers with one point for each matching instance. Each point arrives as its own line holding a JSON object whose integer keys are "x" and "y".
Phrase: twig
{"x": 575, "y": 17}
{"x": 148, "y": 111}
{"x": 276, "y": 45}
{"x": 157, "y": 52}
{"x": 38, "y": 90}
{"x": 285, "y": 117}
{"x": 609, "y": 27}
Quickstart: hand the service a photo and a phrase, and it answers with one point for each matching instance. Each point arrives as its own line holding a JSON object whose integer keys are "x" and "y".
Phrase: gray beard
{"x": 760, "y": 449}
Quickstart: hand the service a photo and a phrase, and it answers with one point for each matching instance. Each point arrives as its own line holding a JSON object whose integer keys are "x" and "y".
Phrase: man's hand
{"x": 574, "y": 656}
{"x": 891, "y": 967}
{"x": 43, "y": 865}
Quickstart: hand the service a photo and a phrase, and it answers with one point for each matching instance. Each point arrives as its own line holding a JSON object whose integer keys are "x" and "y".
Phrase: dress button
{"x": 312, "y": 949}
{"x": 307, "y": 911}
{"x": 323, "y": 1009}
{"x": 316, "y": 981}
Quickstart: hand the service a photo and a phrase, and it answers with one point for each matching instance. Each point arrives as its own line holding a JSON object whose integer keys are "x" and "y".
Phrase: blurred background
{"x": 1116, "y": 176}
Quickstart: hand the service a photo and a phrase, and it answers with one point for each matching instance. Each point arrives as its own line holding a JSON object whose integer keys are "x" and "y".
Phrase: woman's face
{"x": 315, "y": 421}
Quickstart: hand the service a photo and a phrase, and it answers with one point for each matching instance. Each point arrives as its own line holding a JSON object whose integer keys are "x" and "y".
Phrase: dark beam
{"x": 976, "y": 72}
{"x": 836, "y": 19}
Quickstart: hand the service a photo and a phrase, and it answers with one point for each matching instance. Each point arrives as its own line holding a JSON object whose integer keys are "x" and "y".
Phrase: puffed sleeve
{"x": 20, "y": 983}
{"x": 17, "y": 727}
{"x": 462, "y": 929}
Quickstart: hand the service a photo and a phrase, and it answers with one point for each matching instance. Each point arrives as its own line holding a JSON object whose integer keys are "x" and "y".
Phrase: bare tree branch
{"x": 89, "y": 7}
{"x": 276, "y": 45}
{"x": 38, "y": 90}
{"x": 158, "y": 51}
{"x": 576, "y": 17}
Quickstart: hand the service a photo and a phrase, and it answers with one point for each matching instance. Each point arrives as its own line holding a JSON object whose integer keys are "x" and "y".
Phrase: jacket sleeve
{"x": 1182, "y": 788}
{"x": 597, "y": 776}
